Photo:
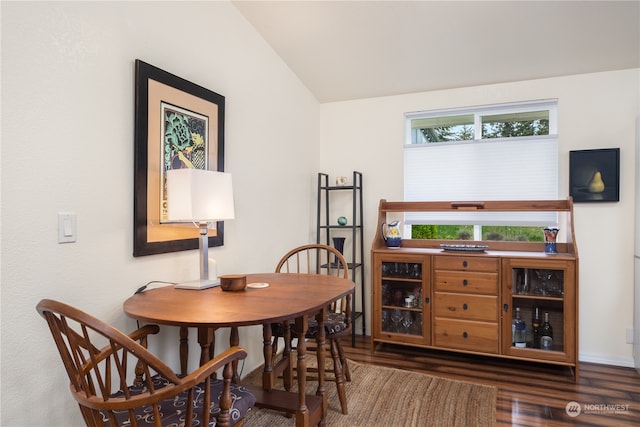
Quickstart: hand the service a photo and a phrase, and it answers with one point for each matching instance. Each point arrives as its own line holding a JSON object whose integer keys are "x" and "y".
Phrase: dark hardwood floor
{"x": 528, "y": 394}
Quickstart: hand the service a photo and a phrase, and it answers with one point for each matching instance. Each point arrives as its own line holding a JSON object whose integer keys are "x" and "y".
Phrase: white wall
{"x": 67, "y": 145}
{"x": 595, "y": 111}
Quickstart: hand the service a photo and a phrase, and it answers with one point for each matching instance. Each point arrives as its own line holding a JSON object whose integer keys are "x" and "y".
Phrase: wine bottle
{"x": 546, "y": 334}
{"x": 521, "y": 330}
{"x": 535, "y": 325}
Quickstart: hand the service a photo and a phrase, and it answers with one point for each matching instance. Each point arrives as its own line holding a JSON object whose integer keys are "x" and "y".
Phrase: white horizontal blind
{"x": 502, "y": 169}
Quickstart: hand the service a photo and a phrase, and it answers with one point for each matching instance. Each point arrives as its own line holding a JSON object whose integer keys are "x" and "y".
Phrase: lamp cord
{"x": 142, "y": 288}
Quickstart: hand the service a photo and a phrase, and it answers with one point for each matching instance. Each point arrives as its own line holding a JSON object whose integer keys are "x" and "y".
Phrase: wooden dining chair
{"x": 118, "y": 382}
{"x": 320, "y": 259}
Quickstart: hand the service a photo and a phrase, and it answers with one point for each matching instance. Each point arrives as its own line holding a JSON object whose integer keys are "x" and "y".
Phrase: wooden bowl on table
{"x": 233, "y": 282}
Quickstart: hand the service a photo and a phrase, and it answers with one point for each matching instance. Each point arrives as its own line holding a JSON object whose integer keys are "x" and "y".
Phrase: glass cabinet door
{"x": 536, "y": 317}
{"x": 402, "y": 297}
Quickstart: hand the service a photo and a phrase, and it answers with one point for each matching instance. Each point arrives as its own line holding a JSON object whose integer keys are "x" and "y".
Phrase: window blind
{"x": 514, "y": 169}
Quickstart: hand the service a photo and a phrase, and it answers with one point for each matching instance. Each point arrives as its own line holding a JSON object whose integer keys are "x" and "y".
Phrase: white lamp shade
{"x": 199, "y": 195}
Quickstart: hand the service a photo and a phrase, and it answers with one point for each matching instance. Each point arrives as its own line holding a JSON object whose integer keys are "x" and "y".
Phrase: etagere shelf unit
{"x": 464, "y": 299}
{"x": 328, "y": 228}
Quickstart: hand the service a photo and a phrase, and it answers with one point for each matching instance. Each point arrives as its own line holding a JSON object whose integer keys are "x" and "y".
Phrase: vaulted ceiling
{"x": 344, "y": 50}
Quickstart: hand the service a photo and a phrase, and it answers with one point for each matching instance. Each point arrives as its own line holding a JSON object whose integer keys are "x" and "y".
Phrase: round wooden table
{"x": 288, "y": 297}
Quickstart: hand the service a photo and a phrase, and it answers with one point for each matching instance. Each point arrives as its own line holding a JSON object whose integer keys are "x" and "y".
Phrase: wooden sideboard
{"x": 465, "y": 301}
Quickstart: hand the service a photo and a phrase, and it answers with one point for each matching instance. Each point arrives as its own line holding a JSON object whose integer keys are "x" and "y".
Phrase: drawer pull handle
{"x": 465, "y": 306}
{"x": 465, "y": 282}
{"x": 464, "y": 264}
{"x": 465, "y": 334}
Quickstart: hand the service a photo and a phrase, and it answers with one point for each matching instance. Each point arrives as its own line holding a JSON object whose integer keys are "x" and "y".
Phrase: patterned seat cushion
{"x": 334, "y": 324}
{"x": 173, "y": 410}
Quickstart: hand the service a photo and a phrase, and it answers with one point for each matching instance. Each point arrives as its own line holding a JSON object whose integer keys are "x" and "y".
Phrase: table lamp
{"x": 199, "y": 196}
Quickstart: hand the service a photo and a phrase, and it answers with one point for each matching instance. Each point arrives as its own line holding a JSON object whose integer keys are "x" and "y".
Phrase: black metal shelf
{"x": 355, "y": 260}
{"x": 341, "y": 187}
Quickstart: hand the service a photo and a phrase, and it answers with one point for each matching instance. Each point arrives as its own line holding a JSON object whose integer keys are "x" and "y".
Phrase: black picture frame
{"x": 157, "y": 91}
{"x": 583, "y": 167}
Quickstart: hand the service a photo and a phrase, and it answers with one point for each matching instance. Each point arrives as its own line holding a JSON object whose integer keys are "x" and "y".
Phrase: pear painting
{"x": 597, "y": 184}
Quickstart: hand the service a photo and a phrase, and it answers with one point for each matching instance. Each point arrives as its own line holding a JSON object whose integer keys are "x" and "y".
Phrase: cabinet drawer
{"x": 468, "y": 282}
{"x": 466, "y": 307}
{"x": 466, "y": 263}
{"x": 466, "y": 335}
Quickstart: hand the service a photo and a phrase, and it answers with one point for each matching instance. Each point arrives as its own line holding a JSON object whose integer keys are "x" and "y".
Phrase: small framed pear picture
{"x": 594, "y": 175}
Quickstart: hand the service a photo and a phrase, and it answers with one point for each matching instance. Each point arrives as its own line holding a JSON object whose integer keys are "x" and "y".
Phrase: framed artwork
{"x": 594, "y": 175}
{"x": 178, "y": 124}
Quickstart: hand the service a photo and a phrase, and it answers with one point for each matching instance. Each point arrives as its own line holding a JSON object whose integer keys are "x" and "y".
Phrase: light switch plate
{"x": 66, "y": 227}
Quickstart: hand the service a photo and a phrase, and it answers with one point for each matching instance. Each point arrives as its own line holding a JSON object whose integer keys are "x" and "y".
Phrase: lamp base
{"x": 198, "y": 285}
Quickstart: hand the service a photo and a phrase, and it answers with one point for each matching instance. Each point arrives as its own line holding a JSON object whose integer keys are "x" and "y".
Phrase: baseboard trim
{"x": 601, "y": 360}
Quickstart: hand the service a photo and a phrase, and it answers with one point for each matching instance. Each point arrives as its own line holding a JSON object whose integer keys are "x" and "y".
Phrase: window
{"x": 497, "y": 152}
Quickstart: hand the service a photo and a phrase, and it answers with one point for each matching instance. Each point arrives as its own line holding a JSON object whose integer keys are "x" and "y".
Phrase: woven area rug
{"x": 387, "y": 397}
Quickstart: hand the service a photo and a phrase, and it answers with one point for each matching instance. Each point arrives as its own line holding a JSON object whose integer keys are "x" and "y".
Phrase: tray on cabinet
{"x": 464, "y": 248}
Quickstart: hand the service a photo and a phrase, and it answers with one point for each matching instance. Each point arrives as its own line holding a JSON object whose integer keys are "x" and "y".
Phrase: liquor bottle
{"x": 521, "y": 330}
{"x": 546, "y": 334}
{"x": 535, "y": 325}
{"x": 513, "y": 331}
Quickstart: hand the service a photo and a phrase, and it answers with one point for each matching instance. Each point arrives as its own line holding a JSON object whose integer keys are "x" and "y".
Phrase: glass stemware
{"x": 522, "y": 281}
{"x": 555, "y": 286}
{"x": 543, "y": 277}
{"x": 385, "y": 320}
{"x": 415, "y": 271}
{"x": 406, "y": 321}
{"x": 396, "y": 318}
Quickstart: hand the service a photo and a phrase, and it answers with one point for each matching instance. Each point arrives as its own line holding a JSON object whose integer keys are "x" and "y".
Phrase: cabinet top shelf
{"x": 356, "y": 184}
{"x": 565, "y": 206}
{"x": 341, "y": 187}
{"x": 488, "y": 206}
